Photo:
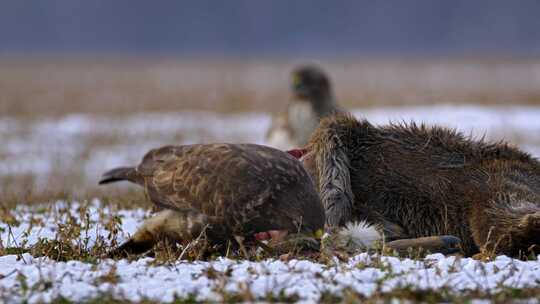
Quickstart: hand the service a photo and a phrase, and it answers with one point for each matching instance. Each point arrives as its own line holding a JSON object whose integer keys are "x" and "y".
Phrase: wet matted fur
{"x": 427, "y": 181}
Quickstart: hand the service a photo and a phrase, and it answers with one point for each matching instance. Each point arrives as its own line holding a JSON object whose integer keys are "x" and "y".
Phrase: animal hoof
{"x": 451, "y": 244}
{"x": 445, "y": 244}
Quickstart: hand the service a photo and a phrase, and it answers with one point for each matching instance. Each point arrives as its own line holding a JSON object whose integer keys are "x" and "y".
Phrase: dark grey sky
{"x": 271, "y": 27}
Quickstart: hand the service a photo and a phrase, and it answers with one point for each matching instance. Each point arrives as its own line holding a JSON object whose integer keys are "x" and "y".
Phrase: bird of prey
{"x": 313, "y": 99}
{"x": 223, "y": 190}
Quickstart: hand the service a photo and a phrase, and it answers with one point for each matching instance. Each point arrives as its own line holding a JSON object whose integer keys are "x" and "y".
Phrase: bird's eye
{"x": 296, "y": 81}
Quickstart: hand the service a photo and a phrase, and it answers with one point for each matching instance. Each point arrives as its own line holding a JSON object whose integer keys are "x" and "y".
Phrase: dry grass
{"x": 70, "y": 244}
{"x": 55, "y": 86}
{"x": 33, "y": 88}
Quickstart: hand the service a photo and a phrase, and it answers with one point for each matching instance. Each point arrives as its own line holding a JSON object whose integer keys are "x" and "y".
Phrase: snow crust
{"x": 40, "y": 146}
{"x": 43, "y": 280}
{"x": 137, "y": 280}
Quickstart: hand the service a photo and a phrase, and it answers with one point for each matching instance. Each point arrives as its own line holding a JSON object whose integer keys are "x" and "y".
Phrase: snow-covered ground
{"x": 42, "y": 279}
{"x": 307, "y": 280}
{"x": 91, "y": 144}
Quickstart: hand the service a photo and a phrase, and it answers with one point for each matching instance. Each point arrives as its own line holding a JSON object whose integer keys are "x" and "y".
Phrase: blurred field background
{"x": 64, "y": 121}
{"x": 87, "y": 86}
{"x": 53, "y": 86}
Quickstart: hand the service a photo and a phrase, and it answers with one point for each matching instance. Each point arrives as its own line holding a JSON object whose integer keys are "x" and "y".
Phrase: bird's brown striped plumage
{"x": 233, "y": 189}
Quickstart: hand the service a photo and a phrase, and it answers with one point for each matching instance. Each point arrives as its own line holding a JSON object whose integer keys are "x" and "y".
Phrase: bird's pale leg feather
{"x": 171, "y": 224}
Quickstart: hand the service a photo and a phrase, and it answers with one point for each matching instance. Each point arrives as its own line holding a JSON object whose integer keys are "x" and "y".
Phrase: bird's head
{"x": 310, "y": 83}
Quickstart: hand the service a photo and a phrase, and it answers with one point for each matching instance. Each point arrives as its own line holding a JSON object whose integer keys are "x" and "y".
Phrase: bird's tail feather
{"x": 119, "y": 174}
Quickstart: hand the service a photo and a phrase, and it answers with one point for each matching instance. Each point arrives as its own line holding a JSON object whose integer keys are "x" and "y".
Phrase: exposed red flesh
{"x": 275, "y": 235}
{"x": 297, "y": 153}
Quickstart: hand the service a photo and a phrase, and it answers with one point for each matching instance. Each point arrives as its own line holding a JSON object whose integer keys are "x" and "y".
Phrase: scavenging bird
{"x": 313, "y": 99}
{"x": 413, "y": 181}
{"x": 233, "y": 191}
{"x": 225, "y": 190}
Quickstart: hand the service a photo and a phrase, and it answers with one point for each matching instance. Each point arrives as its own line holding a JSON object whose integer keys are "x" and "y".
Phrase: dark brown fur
{"x": 429, "y": 181}
{"x": 235, "y": 190}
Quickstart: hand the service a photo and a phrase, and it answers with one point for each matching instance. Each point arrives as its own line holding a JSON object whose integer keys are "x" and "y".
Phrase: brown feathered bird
{"x": 415, "y": 181}
{"x": 227, "y": 190}
{"x": 313, "y": 99}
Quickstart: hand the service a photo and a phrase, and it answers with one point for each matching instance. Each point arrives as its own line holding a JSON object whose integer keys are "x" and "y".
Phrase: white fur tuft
{"x": 360, "y": 234}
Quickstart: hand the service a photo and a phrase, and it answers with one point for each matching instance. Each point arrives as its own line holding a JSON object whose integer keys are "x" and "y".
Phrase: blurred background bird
{"x": 312, "y": 99}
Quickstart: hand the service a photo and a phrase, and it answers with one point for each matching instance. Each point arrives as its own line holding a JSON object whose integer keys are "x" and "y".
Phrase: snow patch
{"x": 138, "y": 280}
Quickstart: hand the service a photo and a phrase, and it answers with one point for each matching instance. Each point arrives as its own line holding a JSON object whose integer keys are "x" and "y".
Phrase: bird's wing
{"x": 206, "y": 178}
{"x": 159, "y": 169}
